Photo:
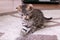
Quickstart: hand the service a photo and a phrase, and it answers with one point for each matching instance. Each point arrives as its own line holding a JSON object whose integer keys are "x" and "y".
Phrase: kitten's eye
{"x": 22, "y": 15}
{"x": 26, "y": 14}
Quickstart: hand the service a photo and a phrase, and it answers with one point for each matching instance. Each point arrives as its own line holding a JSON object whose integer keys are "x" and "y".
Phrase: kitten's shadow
{"x": 57, "y": 23}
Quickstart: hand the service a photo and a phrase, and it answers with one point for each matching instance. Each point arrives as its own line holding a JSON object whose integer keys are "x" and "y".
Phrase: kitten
{"x": 33, "y": 18}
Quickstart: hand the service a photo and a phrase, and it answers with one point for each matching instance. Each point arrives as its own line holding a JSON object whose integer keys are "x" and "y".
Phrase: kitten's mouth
{"x": 26, "y": 17}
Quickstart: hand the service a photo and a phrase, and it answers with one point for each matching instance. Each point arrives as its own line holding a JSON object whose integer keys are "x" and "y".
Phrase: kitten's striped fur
{"x": 33, "y": 18}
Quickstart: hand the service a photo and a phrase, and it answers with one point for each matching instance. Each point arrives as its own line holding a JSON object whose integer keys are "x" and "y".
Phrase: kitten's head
{"x": 25, "y": 9}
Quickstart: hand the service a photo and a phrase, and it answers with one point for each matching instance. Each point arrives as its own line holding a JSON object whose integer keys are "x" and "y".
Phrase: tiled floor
{"x": 11, "y": 26}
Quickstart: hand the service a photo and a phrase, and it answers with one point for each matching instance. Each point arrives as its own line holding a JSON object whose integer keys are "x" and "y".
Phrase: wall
{"x": 8, "y": 5}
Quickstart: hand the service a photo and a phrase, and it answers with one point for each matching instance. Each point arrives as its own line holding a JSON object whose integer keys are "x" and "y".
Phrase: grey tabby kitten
{"x": 33, "y": 18}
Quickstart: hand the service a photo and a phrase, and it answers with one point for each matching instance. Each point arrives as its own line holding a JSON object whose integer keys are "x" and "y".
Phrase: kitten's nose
{"x": 26, "y": 17}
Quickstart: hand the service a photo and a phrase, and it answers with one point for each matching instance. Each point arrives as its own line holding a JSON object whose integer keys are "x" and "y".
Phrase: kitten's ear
{"x": 19, "y": 8}
{"x": 29, "y": 6}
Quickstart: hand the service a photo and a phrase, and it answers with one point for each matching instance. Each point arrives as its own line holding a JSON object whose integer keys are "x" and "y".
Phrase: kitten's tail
{"x": 47, "y": 18}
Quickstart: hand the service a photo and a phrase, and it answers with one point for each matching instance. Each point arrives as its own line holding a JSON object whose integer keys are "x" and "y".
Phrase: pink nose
{"x": 26, "y": 17}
